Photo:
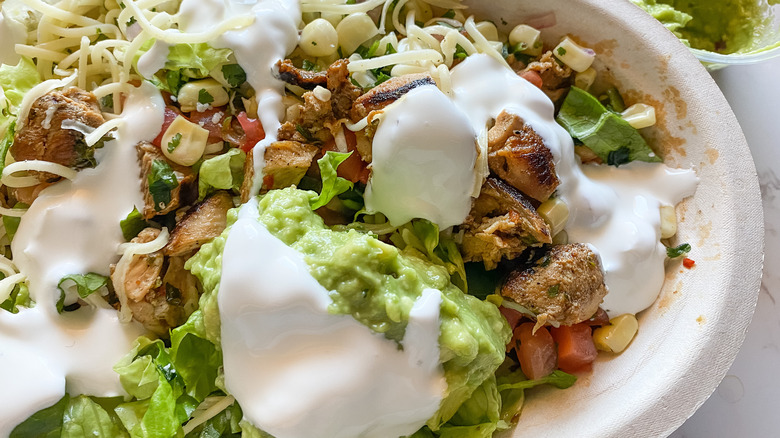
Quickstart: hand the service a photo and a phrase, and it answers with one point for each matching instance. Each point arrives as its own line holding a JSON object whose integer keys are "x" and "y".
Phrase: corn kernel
{"x": 354, "y": 30}
{"x": 668, "y": 221}
{"x": 529, "y": 37}
{"x": 575, "y": 56}
{"x": 616, "y": 336}
{"x": 190, "y": 94}
{"x": 184, "y": 142}
{"x": 585, "y": 79}
{"x": 639, "y": 115}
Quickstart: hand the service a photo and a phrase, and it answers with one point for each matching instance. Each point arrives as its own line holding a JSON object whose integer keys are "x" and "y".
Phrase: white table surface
{"x": 747, "y": 402}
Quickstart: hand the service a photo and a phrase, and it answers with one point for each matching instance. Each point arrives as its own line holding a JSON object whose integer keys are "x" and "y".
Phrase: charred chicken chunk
{"x": 316, "y": 118}
{"x": 165, "y": 185}
{"x": 388, "y": 92}
{"x": 41, "y": 136}
{"x": 203, "y": 222}
{"x": 565, "y": 287}
{"x": 502, "y": 223}
{"x": 161, "y": 294}
{"x": 517, "y": 154}
{"x": 286, "y": 162}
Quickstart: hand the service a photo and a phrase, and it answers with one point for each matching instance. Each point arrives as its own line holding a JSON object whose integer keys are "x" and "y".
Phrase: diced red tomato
{"x": 532, "y": 77}
{"x": 170, "y": 115}
{"x": 253, "y": 129}
{"x": 353, "y": 169}
{"x": 688, "y": 263}
{"x": 536, "y": 352}
{"x": 513, "y": 317}
{"x": 576, "y": 350}
{"x": 210, "y": 120}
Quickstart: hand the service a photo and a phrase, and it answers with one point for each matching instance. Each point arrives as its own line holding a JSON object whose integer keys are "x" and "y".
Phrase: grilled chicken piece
{"x": 316, "y": 118}
{"x": 286, "y": 162}
{"x": 502, "y": 223}
{"x": 343, "y": 91}
{"x": 161, "y": 294}
{"x": 203, "y": 222}
{"x": 42, "y": 137}
{"x": 144, "y": 271}
{"x": 308, "y": 80}
{"x": 186, "y": 192}
{"x": 388, "y": 92}
{"x": 517, "y": 154}
{"x": 556, "y": 77}
{"x": 565, "y": 287}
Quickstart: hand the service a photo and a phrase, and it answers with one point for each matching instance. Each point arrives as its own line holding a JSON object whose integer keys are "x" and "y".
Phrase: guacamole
{"x": 377, "y": 284}
{"x": 721, "y": 26}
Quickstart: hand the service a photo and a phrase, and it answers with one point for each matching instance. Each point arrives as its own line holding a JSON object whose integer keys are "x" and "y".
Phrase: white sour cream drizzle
{"x": 614, "y": 209}
{"x": 73, "y": 228}
{"x": 423, "y": 157}
{"x": 257, "y": 48}
{"x": 298, "y": 371}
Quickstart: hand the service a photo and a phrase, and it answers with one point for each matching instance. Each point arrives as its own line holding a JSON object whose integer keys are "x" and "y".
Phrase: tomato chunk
{"x": 353, "y": 169}
{"x": 576, "y": 350}
{"x": 210, "y": 120}
{"x": 512, "y": 316}
{"x": 532, "y": 77}
{"x": 536, "y": 352}
{"x": 688, "y": 263}
{"x": 253, "y": 129}
{"x": 170, "y": 115}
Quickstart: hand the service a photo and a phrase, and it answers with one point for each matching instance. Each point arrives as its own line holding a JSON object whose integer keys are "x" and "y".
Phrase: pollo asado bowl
{"x": 216, "y": 278}
{"x": 689, "y": 337}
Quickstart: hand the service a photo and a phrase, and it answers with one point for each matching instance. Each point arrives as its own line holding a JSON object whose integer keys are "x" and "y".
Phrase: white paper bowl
{"x": 689, "y": 337}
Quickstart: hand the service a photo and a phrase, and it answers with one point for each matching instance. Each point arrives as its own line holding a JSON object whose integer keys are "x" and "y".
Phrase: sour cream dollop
{"x": 73, "y": 228}
{"x": 423, "y": 157}
{"x": 616, "y": 210}
{"x": 295, "y": 368}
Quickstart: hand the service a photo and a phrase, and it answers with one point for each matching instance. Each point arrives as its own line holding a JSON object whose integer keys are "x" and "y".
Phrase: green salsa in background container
{"x": 722, "y": 32}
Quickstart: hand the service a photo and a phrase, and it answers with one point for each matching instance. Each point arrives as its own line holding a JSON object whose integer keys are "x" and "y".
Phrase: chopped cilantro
{"x": 132, "y": 224}
{"x": 204, "y": 97}
{"x": 131, "y": 21}
{"x": 173, "y": 81}
{"x": 449, "y": 14}
{"x": 234, "y": 75}
{"x": 553, "y": 291}
{"x": 561, "y": 51}
{"x": 107, "y": 102}
{"x": 309, "y": 66}
{"x": 305, "y": 133}
{"x": 162, "y": 181}
{"x": 174, "y": 143}
{"x": 619, "y": 156}
{"x": 678, "y": 251}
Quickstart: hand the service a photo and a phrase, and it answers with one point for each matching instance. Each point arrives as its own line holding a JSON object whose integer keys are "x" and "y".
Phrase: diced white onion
{"x": 585, "y": 79}
{"x": 529, "y": 37}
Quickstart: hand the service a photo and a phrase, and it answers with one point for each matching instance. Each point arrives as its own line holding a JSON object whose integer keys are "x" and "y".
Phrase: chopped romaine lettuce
{"x": 332, "y": 184}
{"x": 223, "y": 172}
{"x": 603, "y": 131}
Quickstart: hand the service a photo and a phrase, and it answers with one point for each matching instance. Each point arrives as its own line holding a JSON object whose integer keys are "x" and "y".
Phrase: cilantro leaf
{"x": 132, "y": 224}
{"x": 86, "y": 284}
{"x": 678, "y": 251}
{"x": 234, "y": 74}
{"x": 205, "y": 97}
{"x": 619, "y": 156}
{"x": 175, "y": 141}
{"x": 162, "y": 181}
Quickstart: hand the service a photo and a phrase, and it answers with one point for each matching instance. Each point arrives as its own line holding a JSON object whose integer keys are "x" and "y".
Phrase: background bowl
{"x": 690, "y": 336}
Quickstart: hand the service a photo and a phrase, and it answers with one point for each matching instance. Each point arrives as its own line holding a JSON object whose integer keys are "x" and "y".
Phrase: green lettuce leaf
{"x": 223, "y": 172}
{"x": 196, "y": 60}
{"x": 11, "y": 223}
{"x": 9, "y": 125}
{"x": 17, "y": 80}
{"x": 601, "y": 130}
{"x": 197, "y": 360}
{"x": 84, "y": 417}
{"x": 46, "y": 423}
{"x": 332, "y": 184}
{"x": 512, "y": 385}
{"x": 133, "y": 224}
{"x": 20, "y": 297}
